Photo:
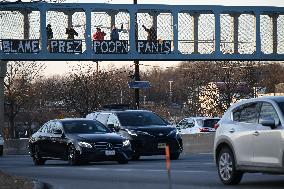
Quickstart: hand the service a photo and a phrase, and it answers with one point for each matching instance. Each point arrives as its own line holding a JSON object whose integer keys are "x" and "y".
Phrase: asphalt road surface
{"x": 189, "y": 172}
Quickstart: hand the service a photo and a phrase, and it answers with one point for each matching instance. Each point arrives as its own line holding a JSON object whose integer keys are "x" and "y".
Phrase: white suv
{"x": 193, "y": 125}
{"x": 250, "y": 138}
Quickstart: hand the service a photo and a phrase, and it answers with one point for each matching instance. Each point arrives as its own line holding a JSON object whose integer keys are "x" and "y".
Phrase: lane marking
{"x": 209, "y": 163}
{"x": 145, "y": 170}
{"x": 209, "y": 153}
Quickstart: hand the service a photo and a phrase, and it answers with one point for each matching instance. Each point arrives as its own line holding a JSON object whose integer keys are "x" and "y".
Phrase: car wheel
{"x": 174, "y": 156}
{"x": 38, "y": 160}
{"x": 72, "y": 156}
{"x": 135, "y": 156}
{"x": 227, "y": 168}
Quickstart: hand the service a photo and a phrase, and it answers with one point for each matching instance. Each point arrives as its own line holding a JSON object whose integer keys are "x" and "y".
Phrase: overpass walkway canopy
{"x": 64, "y": 31}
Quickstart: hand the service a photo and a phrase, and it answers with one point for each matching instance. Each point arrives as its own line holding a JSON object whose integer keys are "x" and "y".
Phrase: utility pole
{"x": 171, "y": 92}
{"x": 3, "y": 69}
{"x": 136, "y": 64}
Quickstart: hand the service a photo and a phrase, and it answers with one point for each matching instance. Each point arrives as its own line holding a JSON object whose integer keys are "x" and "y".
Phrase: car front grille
{"x": 107, "y": 145}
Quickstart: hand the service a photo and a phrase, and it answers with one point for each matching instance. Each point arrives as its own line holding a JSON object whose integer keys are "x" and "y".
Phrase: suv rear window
{"x": 137, "y": 119}
{"x": 210, "y": 122}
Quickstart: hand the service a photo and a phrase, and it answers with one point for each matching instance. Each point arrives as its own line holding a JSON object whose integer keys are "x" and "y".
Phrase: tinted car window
{"x": 44, "y": 128}
{"x": 136, "y": 119}
{"x": 185, "y": 123}
{"x": 247, "y": 113}
{"x": 84, "y": 127}
{"x": 210, "y": 122}
{"x": 189, "y": 123}
{"x": 267, "y": 110}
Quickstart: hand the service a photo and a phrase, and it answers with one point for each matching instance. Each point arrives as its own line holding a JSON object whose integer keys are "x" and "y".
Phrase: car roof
{"x": 72, "y": 119}
{"x": 275, "y": 98}
{"x": 263, "y": 98}
{"x": 118, "y": 111}
{"x": 203, "y": 118}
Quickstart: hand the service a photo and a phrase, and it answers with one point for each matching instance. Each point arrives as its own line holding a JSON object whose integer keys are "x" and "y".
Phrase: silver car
{"x": 250, "y": 138}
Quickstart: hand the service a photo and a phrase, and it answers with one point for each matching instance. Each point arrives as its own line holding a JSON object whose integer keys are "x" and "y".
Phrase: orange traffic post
{"x": 168, "y": 162}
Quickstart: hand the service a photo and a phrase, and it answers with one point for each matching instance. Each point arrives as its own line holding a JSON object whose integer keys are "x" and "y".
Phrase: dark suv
{"x": 148, "y": 133}
{"x": 78, "y": 141}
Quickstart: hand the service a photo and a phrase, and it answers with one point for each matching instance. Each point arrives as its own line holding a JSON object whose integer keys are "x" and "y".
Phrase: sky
{"x": 61, "y": 68}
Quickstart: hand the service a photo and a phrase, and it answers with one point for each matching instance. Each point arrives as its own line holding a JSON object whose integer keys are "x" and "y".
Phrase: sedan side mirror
{"x": 112, "y": 127}
{"x": 268, "y": 122}
{"x": 117, "y": 129}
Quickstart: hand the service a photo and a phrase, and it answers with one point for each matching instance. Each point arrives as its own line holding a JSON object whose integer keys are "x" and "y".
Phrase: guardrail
{"x": 198, "y": 143}
{"x": 16, "y": 147}
{"x": 192, "y": 144}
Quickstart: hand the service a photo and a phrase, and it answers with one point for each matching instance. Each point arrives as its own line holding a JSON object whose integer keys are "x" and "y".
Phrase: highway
{"x": 190, "y": 172}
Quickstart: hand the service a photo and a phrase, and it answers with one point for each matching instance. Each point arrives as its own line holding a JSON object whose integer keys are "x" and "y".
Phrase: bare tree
{"x": 271, "y": 75}
{"x": 18, "y": 88}
{"x": 233, "y": 81}
{"x": 87, "y": 90}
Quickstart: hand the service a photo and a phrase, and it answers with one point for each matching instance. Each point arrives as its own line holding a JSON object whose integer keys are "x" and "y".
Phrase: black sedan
{"x": 78, "y": 141}
{"x": 148, "y": 133}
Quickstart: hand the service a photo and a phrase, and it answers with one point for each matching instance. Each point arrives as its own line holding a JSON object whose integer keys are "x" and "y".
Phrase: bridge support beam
{"x": 69, "y": 18}
{"x": 112, "y": 15}
{"x": 274, "y": 18}
{"x": 217, "y": 33}
{"x": 26, "y": 24}
{"x": 154, "y": 14}
{"x": 175, "y": 31}
{"x": 257, "y": 34}
{"x": 195, "y": 31}
{"x": 88, "y": 33}
{"x": 236, "y": 32}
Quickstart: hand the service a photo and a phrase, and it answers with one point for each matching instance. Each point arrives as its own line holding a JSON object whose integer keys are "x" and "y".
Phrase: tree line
{"x": 32, "y": 99}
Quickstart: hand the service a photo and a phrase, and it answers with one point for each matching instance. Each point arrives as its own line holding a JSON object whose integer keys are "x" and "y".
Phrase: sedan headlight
{"x": 85, "y": 145}
{"x": 173, "y": 133}
{"x": 126, "y": 143}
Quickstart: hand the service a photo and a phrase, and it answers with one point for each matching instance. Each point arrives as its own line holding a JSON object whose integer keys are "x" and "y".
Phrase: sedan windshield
{"x": 137, "y": 119}
{"x": 84, "y": 127}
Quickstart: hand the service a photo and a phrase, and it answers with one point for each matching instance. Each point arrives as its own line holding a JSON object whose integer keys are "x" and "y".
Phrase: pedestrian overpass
{"x": 183, "y": 32}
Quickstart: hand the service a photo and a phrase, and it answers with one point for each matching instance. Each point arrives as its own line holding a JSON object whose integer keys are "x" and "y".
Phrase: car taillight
{"x": 203, "y": 129}
{"x": 216, "y": 125}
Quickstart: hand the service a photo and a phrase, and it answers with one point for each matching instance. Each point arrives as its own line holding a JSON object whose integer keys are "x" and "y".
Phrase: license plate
{"x": 110, "y": 152}
{"x": 162, "y": 145}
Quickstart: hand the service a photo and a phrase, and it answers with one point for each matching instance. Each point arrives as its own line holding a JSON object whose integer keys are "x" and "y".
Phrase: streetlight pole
{"x": 171, "y": 92}
{"x": 136, "y": 73}
{"x": 3, "y": 69}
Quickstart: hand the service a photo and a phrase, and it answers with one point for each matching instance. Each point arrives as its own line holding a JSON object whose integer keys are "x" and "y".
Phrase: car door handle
{"x": 256, "y": 133}
{"x": 232, "y": 130}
